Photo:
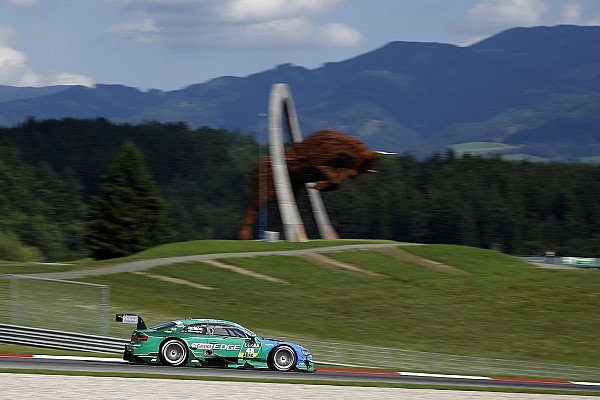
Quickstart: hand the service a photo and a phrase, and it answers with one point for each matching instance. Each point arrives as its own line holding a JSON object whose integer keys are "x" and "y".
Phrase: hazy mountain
{"x": 533, "y": 91}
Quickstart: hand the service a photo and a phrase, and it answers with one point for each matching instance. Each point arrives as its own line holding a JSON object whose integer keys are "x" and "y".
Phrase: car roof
{"x": 192, "y": 321}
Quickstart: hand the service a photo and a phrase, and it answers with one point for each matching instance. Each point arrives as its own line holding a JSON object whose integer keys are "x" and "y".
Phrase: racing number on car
{"x": 250, "y": 352}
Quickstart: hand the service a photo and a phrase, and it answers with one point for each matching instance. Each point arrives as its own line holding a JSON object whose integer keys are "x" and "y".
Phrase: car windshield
{"x": 247, "y": 332}
{"x": 163, "y": 325}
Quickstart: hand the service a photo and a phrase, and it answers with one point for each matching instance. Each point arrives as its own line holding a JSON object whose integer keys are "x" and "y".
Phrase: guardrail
{"x": 28, "y": 336}
{"x": 349, "y": 354}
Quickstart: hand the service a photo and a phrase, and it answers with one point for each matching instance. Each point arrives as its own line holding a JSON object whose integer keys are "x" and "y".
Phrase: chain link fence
{"x": 54, "y": 304}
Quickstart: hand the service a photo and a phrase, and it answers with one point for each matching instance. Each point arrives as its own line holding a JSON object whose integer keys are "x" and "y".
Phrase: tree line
{"x": 55, "y": 174}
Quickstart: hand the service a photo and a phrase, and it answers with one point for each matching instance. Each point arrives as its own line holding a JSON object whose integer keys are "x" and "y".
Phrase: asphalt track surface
{"x": 115, "y": 365}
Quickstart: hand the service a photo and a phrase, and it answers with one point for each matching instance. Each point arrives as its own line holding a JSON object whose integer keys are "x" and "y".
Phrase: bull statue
{"x": 324, "y": 159}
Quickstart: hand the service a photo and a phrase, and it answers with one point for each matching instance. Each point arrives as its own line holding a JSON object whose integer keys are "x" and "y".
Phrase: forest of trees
{"x": 53, "y": 172}
{"x": 128, "y": 216}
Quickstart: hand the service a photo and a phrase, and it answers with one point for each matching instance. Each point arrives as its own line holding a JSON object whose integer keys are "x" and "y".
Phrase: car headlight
{"x": 306, "y": 352}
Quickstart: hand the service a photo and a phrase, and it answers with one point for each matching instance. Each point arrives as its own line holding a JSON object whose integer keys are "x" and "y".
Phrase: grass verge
{"x": 503, "y": 308}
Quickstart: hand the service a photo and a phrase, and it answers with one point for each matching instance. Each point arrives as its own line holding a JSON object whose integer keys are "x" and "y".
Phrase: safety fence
{"x": 54, "y": 304}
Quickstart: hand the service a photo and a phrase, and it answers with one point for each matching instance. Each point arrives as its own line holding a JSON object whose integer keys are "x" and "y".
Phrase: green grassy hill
{"x": 470, "y": 302}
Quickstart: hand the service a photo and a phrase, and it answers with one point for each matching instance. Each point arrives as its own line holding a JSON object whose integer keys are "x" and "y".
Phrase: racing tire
{"x": 174, "y": 353}
{"x": 282, "y": 358}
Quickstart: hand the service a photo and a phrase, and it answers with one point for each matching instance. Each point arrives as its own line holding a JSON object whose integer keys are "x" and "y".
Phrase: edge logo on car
{"x": 215, "y": 346}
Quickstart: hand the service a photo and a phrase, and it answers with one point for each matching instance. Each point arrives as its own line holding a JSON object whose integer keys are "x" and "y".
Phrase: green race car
{"x": 210, "y": 342}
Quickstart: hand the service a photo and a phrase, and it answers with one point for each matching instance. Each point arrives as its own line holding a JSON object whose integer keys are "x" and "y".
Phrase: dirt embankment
{"x": 404, "y": 255}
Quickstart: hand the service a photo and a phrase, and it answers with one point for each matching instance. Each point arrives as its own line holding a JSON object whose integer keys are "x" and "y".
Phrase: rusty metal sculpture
{"x": 324, "y": 160}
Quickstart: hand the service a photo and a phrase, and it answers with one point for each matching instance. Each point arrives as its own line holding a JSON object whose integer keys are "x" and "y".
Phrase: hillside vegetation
{"x": 49, "y": 171}
{"x": 478, "y": 302}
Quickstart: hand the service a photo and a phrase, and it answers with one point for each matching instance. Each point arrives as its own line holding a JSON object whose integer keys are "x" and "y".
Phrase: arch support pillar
{"x": 281, "y": 105}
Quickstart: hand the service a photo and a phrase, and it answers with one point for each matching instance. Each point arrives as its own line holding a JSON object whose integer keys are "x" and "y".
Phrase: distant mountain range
{"x": 524, "y": 93}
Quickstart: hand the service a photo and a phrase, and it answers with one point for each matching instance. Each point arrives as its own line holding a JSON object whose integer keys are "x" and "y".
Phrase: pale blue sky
{"x": 170, "y": 44}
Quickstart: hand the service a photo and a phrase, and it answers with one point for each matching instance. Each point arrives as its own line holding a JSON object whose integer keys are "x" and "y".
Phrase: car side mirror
{"x": 252, "y": 339}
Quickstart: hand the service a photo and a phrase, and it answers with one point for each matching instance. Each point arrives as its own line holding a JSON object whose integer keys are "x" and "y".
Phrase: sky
{"x": 171, "y": 44}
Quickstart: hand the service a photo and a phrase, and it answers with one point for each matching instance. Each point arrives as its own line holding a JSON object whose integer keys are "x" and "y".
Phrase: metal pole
{"x": 262, "y": 185}
{"x": 14, "y": 300}
{"x": 105, "y": 309}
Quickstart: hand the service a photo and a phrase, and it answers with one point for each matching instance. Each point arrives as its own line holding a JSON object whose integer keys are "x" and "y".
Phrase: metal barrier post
{"x": 14, "y": 301}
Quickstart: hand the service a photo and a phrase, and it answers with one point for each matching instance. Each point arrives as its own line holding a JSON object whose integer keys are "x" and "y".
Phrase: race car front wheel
{"x": 282, "y": 358}
{"x": 174, "y": 353}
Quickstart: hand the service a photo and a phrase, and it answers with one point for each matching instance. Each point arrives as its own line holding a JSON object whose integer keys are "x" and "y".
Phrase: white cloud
{"x": 68, "y": 78}
{"x": 144, "y": 31}
{"x": 21, "y": 3}
{"x": 580, "y": 14}
{"x": 15, "y": 71}
{"x": 290, "y": 32}
{"x": 232, "y": 23}
{"x": 263, "y": 10}
{"x": 492, "y": 15}
{"x": 472, "y": 40}
{"x": 293, "y": 31}
{"x": 571, "y": 13}
{"x": 338, "y": 35}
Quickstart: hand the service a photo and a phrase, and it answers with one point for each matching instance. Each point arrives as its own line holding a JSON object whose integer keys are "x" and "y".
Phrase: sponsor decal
{"x": 251, "y": 345}
{"x": 216, "y": 346}
{"x": 578, "y": 261}
{"x": 202, "y": 346}
{"x": 250, "y": 353}
{"x": 130, "y": 319}
{"x": 224, "y": 346}
{"x": 196, "y": 329}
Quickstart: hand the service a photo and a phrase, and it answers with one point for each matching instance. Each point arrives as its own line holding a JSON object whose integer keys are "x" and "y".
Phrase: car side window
{"x": 197, "y": 329}
{"x": 219, "y": 330}
{"x": 163, "y": 325}
{"x": 226, "y": 331}
{"x": 237, "y": 333}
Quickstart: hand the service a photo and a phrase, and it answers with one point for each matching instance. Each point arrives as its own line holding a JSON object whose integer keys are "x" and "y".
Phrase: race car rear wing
{"x": 131, "y": 319}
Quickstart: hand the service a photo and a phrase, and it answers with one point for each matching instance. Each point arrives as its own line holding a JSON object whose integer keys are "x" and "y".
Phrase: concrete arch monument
{"x": 281, "y": 105}
{"x": 318, "y": 163}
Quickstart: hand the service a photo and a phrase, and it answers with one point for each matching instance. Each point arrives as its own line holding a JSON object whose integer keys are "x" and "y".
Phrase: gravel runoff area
{"x": 26, "y": 386}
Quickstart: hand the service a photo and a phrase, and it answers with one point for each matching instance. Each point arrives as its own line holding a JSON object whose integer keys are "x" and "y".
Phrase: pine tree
{"x": 128, "y": 216}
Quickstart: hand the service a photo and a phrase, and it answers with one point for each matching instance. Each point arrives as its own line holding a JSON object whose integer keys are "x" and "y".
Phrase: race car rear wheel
{"x": 174, "y": 353}
{"x": 282, "y": 358}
